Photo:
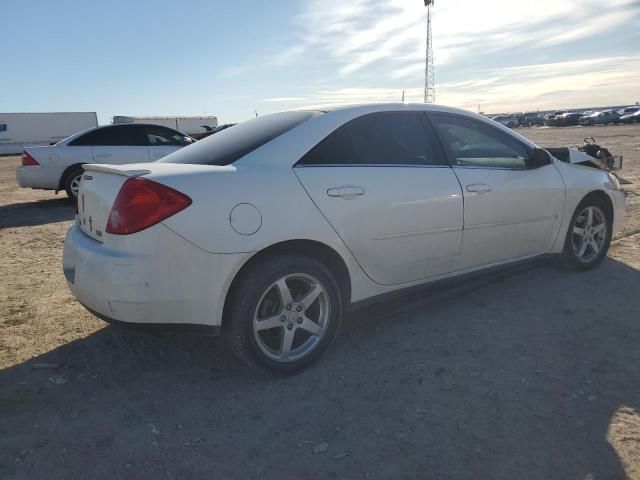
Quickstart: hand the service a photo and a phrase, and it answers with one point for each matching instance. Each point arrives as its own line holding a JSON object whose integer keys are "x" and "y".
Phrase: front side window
{"x": 157, "y": 136}
{"x": 475, "y": 144}
{"x": 383, "y": 138}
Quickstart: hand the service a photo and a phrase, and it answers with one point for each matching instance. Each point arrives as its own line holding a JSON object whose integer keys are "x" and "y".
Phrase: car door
{"x": 161, "y": 141}
{"x": 119, "y": 144}
{"x": 511, "y": 210}
{"x": 383, "y": 183}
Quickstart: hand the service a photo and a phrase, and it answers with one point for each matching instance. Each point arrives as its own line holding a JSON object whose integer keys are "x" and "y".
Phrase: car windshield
{"x": 231, "y": 144}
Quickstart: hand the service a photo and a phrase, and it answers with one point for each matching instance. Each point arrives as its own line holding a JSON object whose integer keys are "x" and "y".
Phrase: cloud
{"x": 572, "y": 84}
{"x": 500, "y": 54}
{"x": 391, "y": 33}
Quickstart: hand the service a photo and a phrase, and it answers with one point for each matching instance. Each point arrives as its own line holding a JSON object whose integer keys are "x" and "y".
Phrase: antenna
{"x": 429, "y": 78}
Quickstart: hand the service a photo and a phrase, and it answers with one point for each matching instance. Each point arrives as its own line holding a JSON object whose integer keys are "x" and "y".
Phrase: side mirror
{"x": 539, "y": 157}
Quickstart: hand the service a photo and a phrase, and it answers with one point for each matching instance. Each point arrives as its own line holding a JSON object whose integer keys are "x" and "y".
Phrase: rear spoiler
{"x": 124, "y": 170}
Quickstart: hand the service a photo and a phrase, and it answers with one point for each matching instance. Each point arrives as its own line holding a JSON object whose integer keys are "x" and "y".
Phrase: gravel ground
{"x": 533, "y": 373}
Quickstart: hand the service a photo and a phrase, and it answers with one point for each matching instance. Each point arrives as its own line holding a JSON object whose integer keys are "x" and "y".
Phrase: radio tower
{"x": 429, "y": 80}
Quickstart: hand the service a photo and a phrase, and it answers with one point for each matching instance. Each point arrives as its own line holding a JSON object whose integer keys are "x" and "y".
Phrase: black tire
{"x": 67, "y": 183}
{"x": 253, "y": 289}
{"x": 570, "y": 258}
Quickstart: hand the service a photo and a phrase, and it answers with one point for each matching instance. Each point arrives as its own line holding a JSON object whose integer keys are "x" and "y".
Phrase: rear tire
{"x": 283, "y": 314}
{"x": 71, "y": 183}
{"x": 588, "y": 237}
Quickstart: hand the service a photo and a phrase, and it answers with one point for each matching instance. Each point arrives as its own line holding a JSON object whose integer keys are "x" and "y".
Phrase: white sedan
{"x": 59, "y": 167}
{"x": 269, "y": 230}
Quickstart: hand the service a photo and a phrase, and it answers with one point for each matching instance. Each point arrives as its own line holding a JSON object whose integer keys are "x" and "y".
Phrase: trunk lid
{"x": 101, "y": 184}
{"x": 99, "y": 188}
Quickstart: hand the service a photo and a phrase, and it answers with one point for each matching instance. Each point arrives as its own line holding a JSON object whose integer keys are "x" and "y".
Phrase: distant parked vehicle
{"x": 568, "y": 119}
{"x": 510, "y": 121}
{"x": 529, "y": 119}
{"x": 59, "y": 167}
{"x": 628, "y": 110}
{"x": 631, "y": 117}
{"x": 604, "y": 117}
{"x": 551, "y": 119}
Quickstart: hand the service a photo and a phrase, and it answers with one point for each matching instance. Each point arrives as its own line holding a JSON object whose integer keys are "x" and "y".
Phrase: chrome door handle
{"x": 479, "y": 188}
{"x": 345, "y": 192}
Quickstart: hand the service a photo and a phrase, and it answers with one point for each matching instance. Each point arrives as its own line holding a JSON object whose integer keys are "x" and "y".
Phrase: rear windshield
{"x": 233, "y": 143}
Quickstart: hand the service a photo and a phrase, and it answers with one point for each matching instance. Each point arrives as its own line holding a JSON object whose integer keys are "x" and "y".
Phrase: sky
{"x": 234, "y": 58}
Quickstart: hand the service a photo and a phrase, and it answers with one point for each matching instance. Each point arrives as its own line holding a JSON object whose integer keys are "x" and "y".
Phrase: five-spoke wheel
{"x": 72, "y": 183}
{"x": 285, "y": 313}
{"x": 589, "y": 235}
{"x": 291, "y": 317}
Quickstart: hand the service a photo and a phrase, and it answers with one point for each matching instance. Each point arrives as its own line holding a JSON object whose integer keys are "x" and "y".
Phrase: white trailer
{"x": 18, "y": 130}
{"x": 188, "y": 125}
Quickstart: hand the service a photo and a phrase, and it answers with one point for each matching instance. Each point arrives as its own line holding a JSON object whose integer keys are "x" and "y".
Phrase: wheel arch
{"x": 601, "y": 196}
{"x": 310, "y": 248}
{"x": 66, "y": 172}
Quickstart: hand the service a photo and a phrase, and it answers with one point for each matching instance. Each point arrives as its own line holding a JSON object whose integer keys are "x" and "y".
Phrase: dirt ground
{"x": 532, "y": 373}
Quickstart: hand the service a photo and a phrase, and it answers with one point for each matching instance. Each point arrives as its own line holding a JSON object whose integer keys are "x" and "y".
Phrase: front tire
{"x": 589, "y": 236}
{"x": 72, "y": 183}
{"x": 284, "y": 313}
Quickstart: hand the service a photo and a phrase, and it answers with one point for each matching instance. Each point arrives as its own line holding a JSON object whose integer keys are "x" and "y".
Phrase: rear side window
{"x": 120, "y": 135}
{"x": 384, "y": 138}
{"x": 473, "y": 143}
{"x": 229, "y": 145}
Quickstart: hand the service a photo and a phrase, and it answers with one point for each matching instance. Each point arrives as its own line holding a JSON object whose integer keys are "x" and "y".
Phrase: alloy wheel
{"x": 589, "y": 234}
{"x": 291, "y": 317}
{"x": 74, "y": 185}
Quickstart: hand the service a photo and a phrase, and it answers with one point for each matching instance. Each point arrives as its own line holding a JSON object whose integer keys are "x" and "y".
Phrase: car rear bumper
{"x": 36, "y": 176}
{"x": 168, "y": 281}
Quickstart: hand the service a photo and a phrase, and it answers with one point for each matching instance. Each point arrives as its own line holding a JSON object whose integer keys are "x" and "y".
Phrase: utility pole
{"x": 429, "y": 77}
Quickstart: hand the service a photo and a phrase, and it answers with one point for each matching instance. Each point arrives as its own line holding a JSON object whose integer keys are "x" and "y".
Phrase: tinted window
{"x": 120, "y": 135}
{"x": 385, "y": 138}
{"x": 474, "y": 143}
{"x": 157, "y": 136}
{"x": 229, "y": 145}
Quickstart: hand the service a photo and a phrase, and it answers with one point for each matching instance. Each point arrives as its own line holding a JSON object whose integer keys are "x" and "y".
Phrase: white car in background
{"x": 59, "y": 167}
{"x": 269, "y": 230}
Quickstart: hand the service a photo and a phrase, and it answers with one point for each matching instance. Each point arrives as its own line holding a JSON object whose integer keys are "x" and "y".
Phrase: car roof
{"x": 383, "y": 107}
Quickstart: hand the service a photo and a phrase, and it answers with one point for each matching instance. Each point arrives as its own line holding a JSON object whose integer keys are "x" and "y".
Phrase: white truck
{"x": 188, "y": 125}
{"x": 19, "y": 130}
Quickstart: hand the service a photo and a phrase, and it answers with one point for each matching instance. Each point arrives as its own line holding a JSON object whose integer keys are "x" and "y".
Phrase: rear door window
{"x": 119, "y": 135}
{"x": 383, "y": 138}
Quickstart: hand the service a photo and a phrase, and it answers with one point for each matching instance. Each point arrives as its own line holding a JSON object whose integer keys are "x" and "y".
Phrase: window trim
{"x": 429, "y": 131}
{"x": 449, "y": 154}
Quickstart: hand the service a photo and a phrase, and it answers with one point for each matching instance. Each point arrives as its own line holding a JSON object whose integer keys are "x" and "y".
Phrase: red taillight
{"x": 142, "y": 203}
{"x": 28, "y": 160}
